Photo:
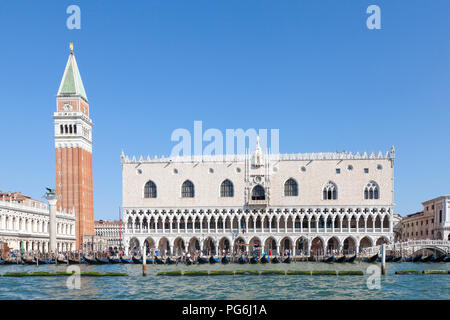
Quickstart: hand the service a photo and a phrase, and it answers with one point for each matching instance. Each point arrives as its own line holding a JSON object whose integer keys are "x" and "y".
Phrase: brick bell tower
{"x": 73, "y": 150}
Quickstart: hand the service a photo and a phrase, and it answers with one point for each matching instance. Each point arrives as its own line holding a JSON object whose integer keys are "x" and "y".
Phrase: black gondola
{"x": 372, "y": 258}
{"x": 287, "y": 260}
{"x": 328, "y": 259}
{"x": 416, "y": 258}
{"x": 202, "y": 260}
{"x": 136, "y": 260}
{"x": 396, "y": 259}
{"x": 389, "y": 258}
{"x": 76, "y": 261}
{"x": 59, "y": 261}
{"x": 409, "y": 259}
{"x": 447, "y": 258}
{"x": 125, "y": 260}
{"x": 157, "y": 260}
{"x": 170, "y": 261}
{"x": 312, "y": 259}
{"x": 29, "y": 261}
{"x": 114, "y": 260}
{"x": 91, "y": 261}
{"x": 275, "y": 260}
{"x": 253, "y": 260}
{"x": 427, "y": 258}
{"x": 213, "y": 260}
{"x": 102, "y": 260}
{"x": 264, "y": 259}
{"x": 189, "y": 261}
{"x": 243, "y": 260}
{"x": 225, "y": 260}
{"x": 340, "y": 259}
{"x": 350, "y": 259}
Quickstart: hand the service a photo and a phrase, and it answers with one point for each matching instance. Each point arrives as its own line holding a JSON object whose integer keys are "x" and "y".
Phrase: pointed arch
{"x": 150, "y": 189}
{"x": 290, "y": 188}
{"x": 330, "y": 191}
{"x": 227, "y": 189}
{"x": 371, "y": 191}
{"x": 187, "y": 189}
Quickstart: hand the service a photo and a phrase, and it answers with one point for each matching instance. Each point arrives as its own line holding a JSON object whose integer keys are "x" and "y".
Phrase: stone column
{"x": 52, "y": 199}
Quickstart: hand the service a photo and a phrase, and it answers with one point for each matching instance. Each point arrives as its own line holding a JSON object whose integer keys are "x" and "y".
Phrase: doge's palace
{"x": 310, "y": 203}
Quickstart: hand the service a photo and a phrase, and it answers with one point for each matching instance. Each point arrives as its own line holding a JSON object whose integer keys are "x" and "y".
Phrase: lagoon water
{"x": 135, "y": 286}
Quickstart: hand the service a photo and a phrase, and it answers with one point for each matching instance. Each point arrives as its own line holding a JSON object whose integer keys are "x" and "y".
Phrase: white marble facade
{"x": 308, "y": 203}
{"x": 22, "y": 225}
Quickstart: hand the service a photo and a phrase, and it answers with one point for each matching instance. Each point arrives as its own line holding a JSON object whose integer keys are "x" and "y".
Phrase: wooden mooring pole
{"x": 144, "y": 261}
{"x": 383, "y": 259}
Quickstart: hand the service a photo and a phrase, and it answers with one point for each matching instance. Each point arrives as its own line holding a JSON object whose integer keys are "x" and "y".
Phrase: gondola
{"x": 2, "y": 261}
{"x": 340, "y": 259}
{"x": 76, "y": 261}
{"x": 91, "y": 261}
{"x": 438, "y": 259}
{"x": 427, "y": 258}
{"x": 170, "y": 261}
{"x": 328, "y": 259}
{"x": 136, "y": 260}
{"x": 202, "y": 260}
{"x": 264, "y": 259}
{"x": 416, "y": 258}
{"x": 372, "y": 258}
{"x": 59, "y": 261}
{"x": 253, "y": 260}
{"x": 225, "y": 260}
{"x": 350, "y": 259}
{"x": 213, "y": 260}
{"x": 126, "y": 260}
{"x": 102, "y": 260}
{"x": 157, "y": 260}
{"x": 447, "y": 258}
{"x": 12, "y": 261}
{"x": 389, "y": 258}
{"x": 189, "y": 261}
{"x": 287, "y": 260}
{"x": 29, "y": 261}
{"x": 409, "y": 259}
{"x": 114, "y": 260}
{"x": 275, "y": 260}
{"x": 243, "y": 260}
{"x": 396, "y": 259}
{"x": 311, "y": 259}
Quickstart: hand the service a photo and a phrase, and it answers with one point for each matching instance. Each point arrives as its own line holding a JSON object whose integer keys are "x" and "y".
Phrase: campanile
{"x": 73, "y": 150}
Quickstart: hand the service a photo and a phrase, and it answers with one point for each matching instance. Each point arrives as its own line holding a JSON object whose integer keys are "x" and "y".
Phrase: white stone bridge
{"x": 412, "y": 247}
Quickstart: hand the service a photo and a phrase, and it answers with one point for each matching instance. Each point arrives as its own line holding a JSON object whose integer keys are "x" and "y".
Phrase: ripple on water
{"x": 238, "y": 287}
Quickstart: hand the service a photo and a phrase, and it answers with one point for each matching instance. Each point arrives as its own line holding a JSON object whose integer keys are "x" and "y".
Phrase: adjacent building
{"x": 307, "y": 203}
{"x": 24, "y": 223}
{"x": 112, "y": 231}
{"x": 431, "y": 223}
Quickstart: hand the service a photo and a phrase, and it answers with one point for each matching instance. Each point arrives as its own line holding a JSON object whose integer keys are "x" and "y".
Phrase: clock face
{"x": 67, "y": 107}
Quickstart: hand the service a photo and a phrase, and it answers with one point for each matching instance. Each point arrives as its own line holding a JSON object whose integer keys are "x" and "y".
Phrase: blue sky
{"x": 312, "y": 69}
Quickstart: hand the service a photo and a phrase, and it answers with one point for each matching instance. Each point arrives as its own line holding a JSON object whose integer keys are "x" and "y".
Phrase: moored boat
{"x": 225, "y": 260}
{"x": 416, "y": 258}
{"x": 29, "y": 261}
{"x": 446, "y": 259}
{"x": 91, "y": 261}
{"x": 409, "y": 259}
{"x": 189, "y": 261}
{"x": 114, "y": 260}
{"x": 287, "y": 260}
{"x": 243, "y": 260}
{"x": 328, "y": 259}
{"x": 427, "y": 258}
{"x": 156, "y": 261}
{"x": 102, "y": 260}
{"x": 126, "y": 260}
{"x": 264, "y": 259}
{"x": 213, "y": 260}
{"x": 136, "y": 260}
{"x": 372, "y": 258}
{"x": 389, "y": 258}
{"x": 275, "y": 260}
{"x": 340, "y": 259}
{"x": 202, "y": 260}
{"x": 350, "y": 259}
{"x": 170, "y": 261}
{"x": 396, "y": 259}
{"x": 76, "y": 261}
{"x": 253, "y": 260}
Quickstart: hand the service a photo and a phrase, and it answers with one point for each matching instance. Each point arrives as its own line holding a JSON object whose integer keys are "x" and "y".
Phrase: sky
{"x": 311, "y": 69}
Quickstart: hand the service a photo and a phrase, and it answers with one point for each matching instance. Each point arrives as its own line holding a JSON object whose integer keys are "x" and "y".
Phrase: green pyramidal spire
{"x": 71, "y": 83}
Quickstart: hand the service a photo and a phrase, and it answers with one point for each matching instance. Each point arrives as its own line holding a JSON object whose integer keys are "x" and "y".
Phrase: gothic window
{"x": 75, "y": 128}
{"x": 150, "y": 190}
{"x": 371, "y": 191}
{"x": 290, "y": 188}
{"x": 330, "y": 191}
{"x": 227, "y": 189}
{"x": 187, "y": 189}
{"x": 61, "y": 127}
{"x": 258, "y": 193}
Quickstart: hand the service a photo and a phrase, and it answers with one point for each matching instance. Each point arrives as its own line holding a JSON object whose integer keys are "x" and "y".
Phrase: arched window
{"x": 371, "y": 191}
{"x": 227, "y": 189}
{"x": 330, "y": 191}
{"x": 290, "y": 188}
{"x": 150, "y": 190}
{"x": 187, "y": 189}
{"x": 258, "y": 193}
